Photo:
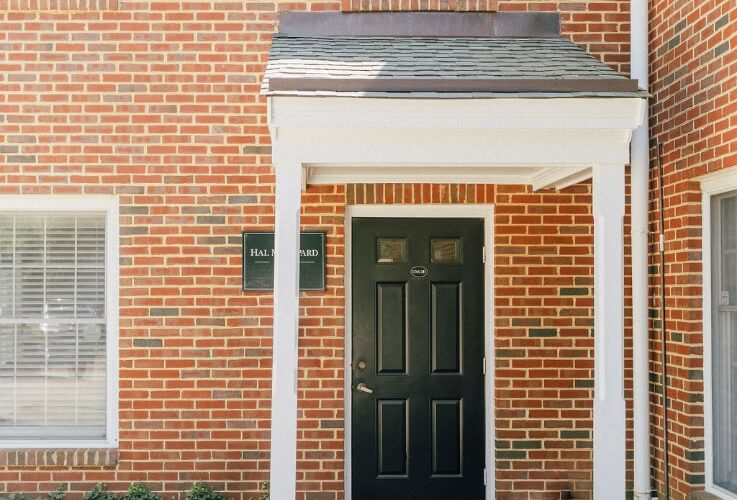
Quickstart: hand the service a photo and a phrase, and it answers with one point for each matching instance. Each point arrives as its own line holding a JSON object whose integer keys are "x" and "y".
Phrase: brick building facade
{"x": 159, "y": 105}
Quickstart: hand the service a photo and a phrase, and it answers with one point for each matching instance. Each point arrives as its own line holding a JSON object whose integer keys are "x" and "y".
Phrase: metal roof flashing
{"x": 408, "y": 24}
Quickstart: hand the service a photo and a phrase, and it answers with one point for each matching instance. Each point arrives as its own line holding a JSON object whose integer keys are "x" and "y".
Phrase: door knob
{"x": 364, "y": 388}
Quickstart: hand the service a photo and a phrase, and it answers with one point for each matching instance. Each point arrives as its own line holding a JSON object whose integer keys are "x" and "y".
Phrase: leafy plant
{"x": 99, "y": 492}
{"x": 265, "y": 492}
{"x": 139, "y": 491}
{"x": 16, "y": 496}
{"x": 58, "y": 493}
{"x": 202, "y": 491}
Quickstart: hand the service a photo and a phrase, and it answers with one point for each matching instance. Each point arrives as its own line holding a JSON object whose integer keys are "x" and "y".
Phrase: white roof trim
{"x": 542, "y": 142}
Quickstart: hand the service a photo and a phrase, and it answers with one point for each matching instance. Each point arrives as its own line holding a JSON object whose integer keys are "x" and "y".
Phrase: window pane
{"x": 391, "y": 250}
{"x": 52, "y": 326}
{"x": 724, "y": 341}
{"x": 446, "y": 251}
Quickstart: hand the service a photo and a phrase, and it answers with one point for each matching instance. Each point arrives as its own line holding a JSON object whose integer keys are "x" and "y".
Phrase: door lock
{"x": 364, "y": 388}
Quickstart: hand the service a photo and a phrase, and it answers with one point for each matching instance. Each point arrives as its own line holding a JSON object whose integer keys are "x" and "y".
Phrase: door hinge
{"x": 484, "y": 476}
{"x": 483, "y": 254}
{"x": 484, "y": 367}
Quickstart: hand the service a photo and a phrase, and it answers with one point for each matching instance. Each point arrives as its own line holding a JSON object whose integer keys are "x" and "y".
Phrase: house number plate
{"x": 419, "y": 272}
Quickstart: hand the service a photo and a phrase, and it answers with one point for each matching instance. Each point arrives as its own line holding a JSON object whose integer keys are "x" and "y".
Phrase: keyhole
{"x": 361, "y": 365}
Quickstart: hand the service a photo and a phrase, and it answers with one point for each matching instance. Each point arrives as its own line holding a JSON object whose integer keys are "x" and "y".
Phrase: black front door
{"x": 418, "y": 347}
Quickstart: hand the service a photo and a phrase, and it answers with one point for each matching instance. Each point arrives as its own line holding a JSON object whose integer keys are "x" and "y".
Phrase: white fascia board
{"x": 498, "y": 113}
{"x": 439, "y": 147}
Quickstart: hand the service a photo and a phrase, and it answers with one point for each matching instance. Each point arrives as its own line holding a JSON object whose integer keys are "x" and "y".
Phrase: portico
{"x": 565, "y": 127}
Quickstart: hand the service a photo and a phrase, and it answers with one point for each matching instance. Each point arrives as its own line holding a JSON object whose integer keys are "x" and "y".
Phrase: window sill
{"x": 44, "y": 457}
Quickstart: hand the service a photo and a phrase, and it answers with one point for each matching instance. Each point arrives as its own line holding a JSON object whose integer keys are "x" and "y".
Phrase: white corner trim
{"x": 484, "y": 212}
{"x": 79, "y": 204}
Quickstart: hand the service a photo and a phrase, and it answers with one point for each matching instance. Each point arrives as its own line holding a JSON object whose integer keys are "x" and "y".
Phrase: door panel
{"x": 391, "y": 337}
{"x": 418, "y": 344}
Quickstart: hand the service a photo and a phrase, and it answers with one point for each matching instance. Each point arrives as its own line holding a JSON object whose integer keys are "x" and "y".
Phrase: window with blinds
{"x": 52, "y": 326}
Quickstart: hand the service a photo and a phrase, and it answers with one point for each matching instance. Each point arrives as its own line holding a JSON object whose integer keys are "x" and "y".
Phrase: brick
{"x": 331, "y": 424}
{"x": 721, "y": 22}
{"x": 21, "y": 139}
{"x": 256, "y": 150}
{"x": 721, "y": 49}
{"x": 164, "y": 311}
{"x": 543, "y": 332}
{"x": 21, "y": 158}
{"x": 208, "y": 220}
{"x": 242, "y": 200}
{"x": 148, "y": 343}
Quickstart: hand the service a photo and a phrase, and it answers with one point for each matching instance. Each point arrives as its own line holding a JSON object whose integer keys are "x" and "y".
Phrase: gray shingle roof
{"x": 387, "y": 65}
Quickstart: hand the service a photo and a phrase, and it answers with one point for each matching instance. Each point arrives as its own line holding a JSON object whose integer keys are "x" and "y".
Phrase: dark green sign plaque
{"x": 258, "y": 261}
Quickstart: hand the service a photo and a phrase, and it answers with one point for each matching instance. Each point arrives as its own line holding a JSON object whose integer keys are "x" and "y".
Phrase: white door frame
{"x": 483, "y": 212}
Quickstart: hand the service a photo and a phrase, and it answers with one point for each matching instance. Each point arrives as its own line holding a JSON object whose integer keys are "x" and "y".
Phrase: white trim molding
{"x": 81, "y": 204}
{"x": 469, "y": 211}
{"x": 609, "y": 405}
{"x": 541, "y": 142}
{"x": 712, "y": 184}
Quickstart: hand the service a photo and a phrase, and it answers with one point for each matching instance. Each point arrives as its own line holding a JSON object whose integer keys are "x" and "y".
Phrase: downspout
{"x": 639, "y": 179}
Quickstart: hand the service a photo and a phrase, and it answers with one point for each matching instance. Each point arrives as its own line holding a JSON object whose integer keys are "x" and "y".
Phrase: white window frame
{"x": 712, "y": 185}
{"x": 108, "y": 205}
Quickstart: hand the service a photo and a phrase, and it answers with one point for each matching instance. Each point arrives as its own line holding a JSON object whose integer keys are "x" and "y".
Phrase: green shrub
{"x": 201, "y": 491}
{"x": 58, "y": 493}
{"x": 265, "y": 495}
{"x": 99, "y": 492}
{"x": 139, "y": 491}
{"x": 16, "y": 496}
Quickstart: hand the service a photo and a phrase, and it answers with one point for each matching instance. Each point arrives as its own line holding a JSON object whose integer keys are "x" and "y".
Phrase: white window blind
{"x": 52, "y": 326}
{"x": 724, "y": 340}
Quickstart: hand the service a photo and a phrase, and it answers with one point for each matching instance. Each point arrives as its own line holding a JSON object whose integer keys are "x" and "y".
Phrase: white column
{"x": 609, "y": 414}
{"x": 285, "y": 335}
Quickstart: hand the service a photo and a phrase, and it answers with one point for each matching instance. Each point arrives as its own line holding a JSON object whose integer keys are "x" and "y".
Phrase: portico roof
{"x": 523, "y": 60}
{"x": 398, "y": 66}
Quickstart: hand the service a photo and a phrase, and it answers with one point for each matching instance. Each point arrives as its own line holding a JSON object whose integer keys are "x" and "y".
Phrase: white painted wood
{"x": 283, "y": 479}
{"x": 712, "y": 184}
{"x": 485, "y": 212}
{"x": 556, "y": 176}
{"x": 719, "y": 182}
{"x": 320, "y": 112}
{"x": 706, "y": 318}
{"x": 452, "y": 148}
{"x": 639, "y": 180}
{"x": 609, "y": 408}
{"x": 334, "y": 174}
{"x": 575, "y": 179}
{"x": 95, "y": 203}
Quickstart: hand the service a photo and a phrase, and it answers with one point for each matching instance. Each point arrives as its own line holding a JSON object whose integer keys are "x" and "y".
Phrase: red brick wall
{"x": 693, "y": 110}
{"x": 158, "y": 103}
